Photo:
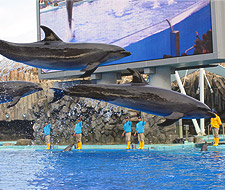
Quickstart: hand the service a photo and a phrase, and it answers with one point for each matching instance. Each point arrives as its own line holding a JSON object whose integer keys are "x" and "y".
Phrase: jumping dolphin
{"x": 53, "y": 53}
{"x": 138, "y": 95}
{"x": 69, "y": 7}
{"x": 12, "y": 91}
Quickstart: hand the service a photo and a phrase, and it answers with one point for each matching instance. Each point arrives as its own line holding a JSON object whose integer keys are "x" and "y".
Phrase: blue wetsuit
{"x": 140, "y": 127}
{"x": 78, "y": 127}
{"x": 47, "y": 129}
{"x": 127, "y": 126}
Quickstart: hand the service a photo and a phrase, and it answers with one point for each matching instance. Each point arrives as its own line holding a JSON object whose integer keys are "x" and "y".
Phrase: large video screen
{"x": 149, "y": 29}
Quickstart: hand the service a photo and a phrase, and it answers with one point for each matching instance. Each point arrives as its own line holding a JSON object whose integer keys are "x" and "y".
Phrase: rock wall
{"x": 17, "y": 129}
{"x": 102, "y": 122}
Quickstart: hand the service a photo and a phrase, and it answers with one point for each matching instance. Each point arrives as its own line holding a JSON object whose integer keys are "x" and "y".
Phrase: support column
{"x": 106, "y": 78}
{"x": 202, "y": 94}
{"x": 179, "y": 128}
{"x": 161, "y": 77}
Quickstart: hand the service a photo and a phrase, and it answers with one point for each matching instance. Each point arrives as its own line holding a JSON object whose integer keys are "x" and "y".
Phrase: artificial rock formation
{"x": 102, "y": 122}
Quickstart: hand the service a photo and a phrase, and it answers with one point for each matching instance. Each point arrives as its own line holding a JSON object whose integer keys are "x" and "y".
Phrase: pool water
{"x": 112, "y": 169}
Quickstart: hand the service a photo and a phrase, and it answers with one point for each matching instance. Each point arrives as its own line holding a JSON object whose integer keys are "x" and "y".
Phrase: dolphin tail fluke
{"x": 172, "y": 118}
{"x": 58, "y": 94}
{"x": 14, "y": 102}
{"x": 90, "y": 69}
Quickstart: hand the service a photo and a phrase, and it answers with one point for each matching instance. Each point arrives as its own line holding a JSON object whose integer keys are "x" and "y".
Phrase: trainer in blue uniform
{"x": 140, "y": 129}
{"x": 127, "y": 131}
{"x": 78, "y": 132}
{"x": 47, "y": 131}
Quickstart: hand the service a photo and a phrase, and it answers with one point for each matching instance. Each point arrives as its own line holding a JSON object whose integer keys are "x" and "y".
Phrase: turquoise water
{"x": 112, "y": 169}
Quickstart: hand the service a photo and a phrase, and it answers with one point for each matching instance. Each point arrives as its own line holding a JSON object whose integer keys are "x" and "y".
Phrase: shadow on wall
{"x": 17, "y": 129}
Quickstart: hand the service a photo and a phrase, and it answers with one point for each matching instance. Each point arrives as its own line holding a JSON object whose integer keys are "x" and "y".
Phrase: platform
{"x": 151, "y": 147}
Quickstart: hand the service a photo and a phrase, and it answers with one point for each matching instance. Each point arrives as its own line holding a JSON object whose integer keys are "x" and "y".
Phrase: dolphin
{"x": 12, "y": 91}
{"x": 138, "y": 95}
{"x": 69, "y": 7}
{"x": 68, "y": 148}
{"x": 204, "y": 147}
{"x": 53, "y": 53}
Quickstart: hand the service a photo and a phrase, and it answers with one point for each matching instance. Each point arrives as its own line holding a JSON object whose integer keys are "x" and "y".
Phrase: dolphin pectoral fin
{"x": 137, "y": 78}
{"x": 167, "y": 122}
{"x": 87, "y": 73}
{"x": 175, "y": 115}
{"x": 49, "y": 34}
{"x": 91, "y": 67}
{"x": 14, "y": 102}
{"x": 172, "y": 118}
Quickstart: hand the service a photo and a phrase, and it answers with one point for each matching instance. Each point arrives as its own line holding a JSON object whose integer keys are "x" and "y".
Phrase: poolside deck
{"x": 151, "y": 147}
{"x": 158, "y": 147}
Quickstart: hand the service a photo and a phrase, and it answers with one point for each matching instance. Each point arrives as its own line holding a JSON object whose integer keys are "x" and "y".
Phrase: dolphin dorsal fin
{"x": 49, "y": 34}
{"x": 137, "y": 78}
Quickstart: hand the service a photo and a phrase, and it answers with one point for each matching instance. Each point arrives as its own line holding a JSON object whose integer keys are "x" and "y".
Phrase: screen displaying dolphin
{"x": 53, "y": 53}
{"x": 138, "y": 95}
{"x": 12, "y": 91}
{"x": 138, "y": 26}
{"x": 69, "y": 7}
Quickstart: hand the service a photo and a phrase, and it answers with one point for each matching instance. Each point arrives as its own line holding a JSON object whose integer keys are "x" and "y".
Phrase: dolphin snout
{"x": 126, "y": 53}
{"x": 211, "y": 114}
{"x": 39, "y": 88}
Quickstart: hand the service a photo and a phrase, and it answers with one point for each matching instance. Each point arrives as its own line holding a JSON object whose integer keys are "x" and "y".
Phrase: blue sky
{"x": 18, "y": 20}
